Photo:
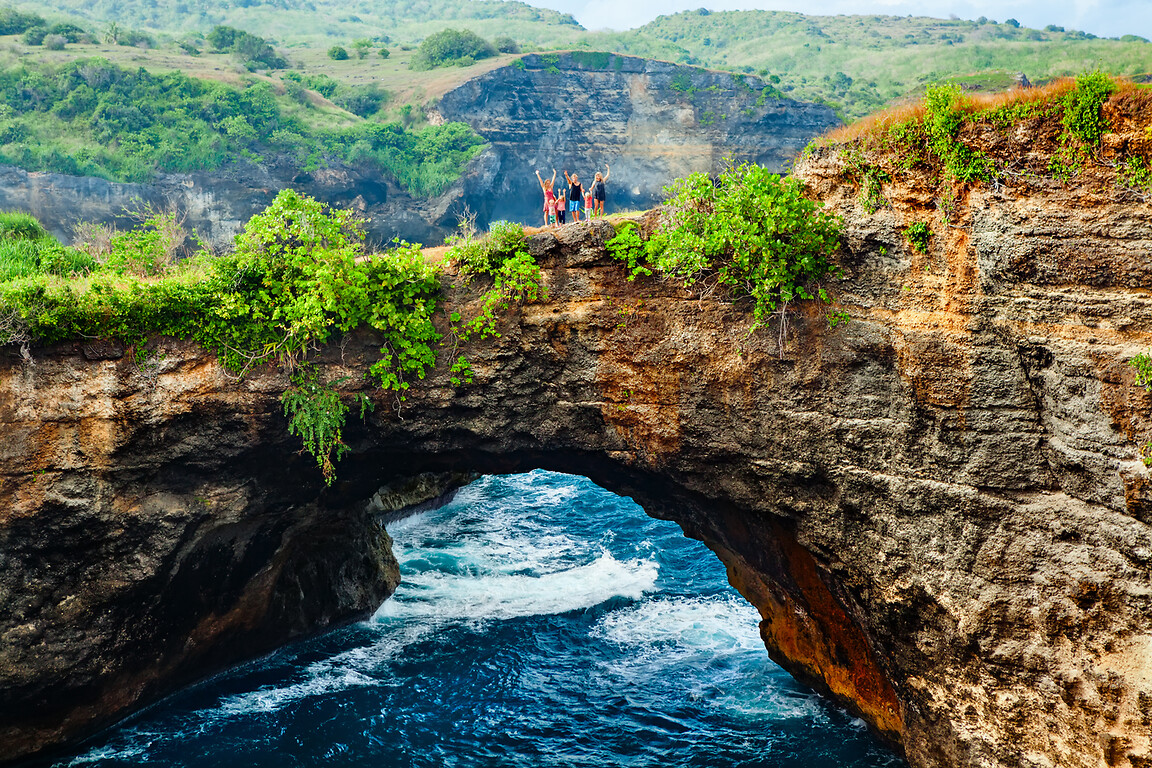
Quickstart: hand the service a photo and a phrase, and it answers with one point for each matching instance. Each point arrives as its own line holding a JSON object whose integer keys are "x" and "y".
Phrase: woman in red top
{"x": 549, "y": 194}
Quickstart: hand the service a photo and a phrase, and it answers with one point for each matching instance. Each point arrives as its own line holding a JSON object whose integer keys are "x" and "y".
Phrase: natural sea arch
{"x": 892, "y": 495}
{"x": 541, "y": 621}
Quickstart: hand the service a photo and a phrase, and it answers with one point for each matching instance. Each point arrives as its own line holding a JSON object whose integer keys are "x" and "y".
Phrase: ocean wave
{"x": 493, "y": 595}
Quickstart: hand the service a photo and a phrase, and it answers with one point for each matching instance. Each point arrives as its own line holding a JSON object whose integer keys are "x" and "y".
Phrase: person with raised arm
{"x": 598, "y": 189}
{"x": 575, "y": 195}
{"x": 549, "y": 195}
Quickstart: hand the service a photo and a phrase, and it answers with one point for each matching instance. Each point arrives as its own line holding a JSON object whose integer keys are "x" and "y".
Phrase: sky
{"x": 1106, "y": 18}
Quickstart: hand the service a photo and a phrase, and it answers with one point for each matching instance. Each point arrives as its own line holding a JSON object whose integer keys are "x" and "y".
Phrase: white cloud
{"x": 1107, "y": 18}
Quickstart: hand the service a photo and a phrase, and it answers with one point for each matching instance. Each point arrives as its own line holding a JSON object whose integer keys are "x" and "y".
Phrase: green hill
{"x": 322, "y": 22}
{"x": 855, "y": 63}
{"x": 859, "y": 64}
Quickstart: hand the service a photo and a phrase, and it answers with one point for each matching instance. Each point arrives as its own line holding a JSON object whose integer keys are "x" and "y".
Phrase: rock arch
{"x": 938, "y": 508}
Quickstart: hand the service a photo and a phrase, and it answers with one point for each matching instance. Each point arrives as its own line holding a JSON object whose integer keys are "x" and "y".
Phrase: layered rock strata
{"x": 940, "y": 508}
{"x": 651, "y": 121}
{"x": 214, "y": 205}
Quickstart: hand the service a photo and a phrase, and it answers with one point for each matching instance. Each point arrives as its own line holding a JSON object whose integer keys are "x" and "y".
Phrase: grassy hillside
{"x": 320, "y": 22}
{"x": 323, "y": 109}
{"x": 861, "y": 63}
{"x": 114, "y": 118}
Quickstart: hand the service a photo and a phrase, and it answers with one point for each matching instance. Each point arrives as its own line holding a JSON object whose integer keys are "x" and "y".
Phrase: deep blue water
{"x": 542, "y": 621}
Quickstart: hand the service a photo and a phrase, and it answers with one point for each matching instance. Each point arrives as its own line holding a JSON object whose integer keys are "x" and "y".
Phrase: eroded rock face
{"x": 216, "y": 204}
{"x": 651, "y": 121}
{"x": 939, "y": 509}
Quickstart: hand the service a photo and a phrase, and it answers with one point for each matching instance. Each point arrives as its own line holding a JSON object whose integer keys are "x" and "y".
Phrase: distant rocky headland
{"x": 651, "y": 120}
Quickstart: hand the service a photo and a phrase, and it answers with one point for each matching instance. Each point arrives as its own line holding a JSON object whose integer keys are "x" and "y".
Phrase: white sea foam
{"x": 716, "y": 624}
{"x": 496, "y": 595}
{"x": 490, "y": 556}
{"x": 358, "y": 667}
{"x": 132, "y": 753}
{"x": 711, "y": 646}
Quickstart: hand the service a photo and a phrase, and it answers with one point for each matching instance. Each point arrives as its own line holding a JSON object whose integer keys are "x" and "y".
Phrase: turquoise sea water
{"x": 542, "y": 621}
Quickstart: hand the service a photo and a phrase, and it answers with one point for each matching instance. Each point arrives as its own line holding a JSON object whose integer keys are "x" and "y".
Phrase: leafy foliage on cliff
{"x": 297, "y": 278}
{"x": 955, "y": 140}
{"x": 500, "y": 256}
{"x": 748, "y": 233}
{"x": 93, "y": 118}
{"x": 316, "y": 414}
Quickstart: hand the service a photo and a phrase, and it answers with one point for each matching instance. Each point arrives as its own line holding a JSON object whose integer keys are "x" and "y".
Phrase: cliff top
{"x": 1092, "y": 131}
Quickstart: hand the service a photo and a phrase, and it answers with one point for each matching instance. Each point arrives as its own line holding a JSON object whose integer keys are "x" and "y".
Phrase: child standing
{"x": 561, "y": 206}
{"x": 549, "y": 194}
{"x": 588, "y": 203}
{"x": 550, "y": 212}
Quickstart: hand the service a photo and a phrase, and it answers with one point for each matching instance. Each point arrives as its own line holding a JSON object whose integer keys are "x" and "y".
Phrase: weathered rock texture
{"x": 940, "y": 508}
{"x": 651, "y": 121}
{"x": 216, "y": 204}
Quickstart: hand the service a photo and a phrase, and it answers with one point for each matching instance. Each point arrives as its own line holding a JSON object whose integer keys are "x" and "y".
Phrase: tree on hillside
{"x": 506, "y": 45}
{"x": 223, "y": 38}
{"x": 14, "y": 22}
{"x": 252, "y": 49}
{"x": 362, "y": 47}
{"x": 452, "y": 47}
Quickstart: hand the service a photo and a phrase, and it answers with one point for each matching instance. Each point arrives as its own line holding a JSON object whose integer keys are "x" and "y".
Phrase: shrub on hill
{"x": 506, "y": 45}
{"x": 26, "y": 249}
{"x": 449, "y": 47}
{"x": 14, "y": 22}
{"x": 248, "y": 47}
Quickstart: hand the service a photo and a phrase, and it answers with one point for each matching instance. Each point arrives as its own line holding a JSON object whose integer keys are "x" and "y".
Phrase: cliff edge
{"x": 940, "y": 509}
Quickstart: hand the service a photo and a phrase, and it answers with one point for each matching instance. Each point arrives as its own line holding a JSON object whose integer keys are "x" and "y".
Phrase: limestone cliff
{"x": 940, "y": 509}
{"x": 216, "y": 204}
{"x": 652, "y": 121}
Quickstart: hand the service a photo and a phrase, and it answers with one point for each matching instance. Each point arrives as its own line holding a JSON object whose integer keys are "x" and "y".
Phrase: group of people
{"x": 558, "y": 206}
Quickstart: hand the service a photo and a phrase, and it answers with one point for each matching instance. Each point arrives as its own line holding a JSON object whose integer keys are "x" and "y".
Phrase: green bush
{"x": 515, "y": 280}
{"x": 918, "y": 235}
{"x": 34, "y": 35}
{"x": 752, "y": 233}
{"x": 385, "y": 53}
{"x": 506, "y": 45}
{"x": 362, "y": 100}
{"x": 450, "y": 47}
{"x": 248, "y": 47}
{"x": 27, "y": 249}
{"x": 942, "y": 125}
{"x": 478, "y": 256}
{"x": 1082, "y": 117}
{"x": 337, "y": 53}
{"x": 18, "y": 225}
